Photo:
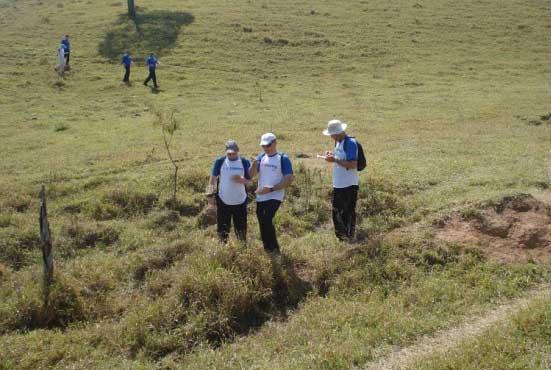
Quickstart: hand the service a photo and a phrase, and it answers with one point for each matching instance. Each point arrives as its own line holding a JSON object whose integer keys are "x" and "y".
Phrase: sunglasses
{"x": 267, "y": 145}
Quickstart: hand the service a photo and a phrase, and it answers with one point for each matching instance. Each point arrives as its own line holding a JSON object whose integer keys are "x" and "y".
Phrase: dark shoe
{"x": 145, "y": 83}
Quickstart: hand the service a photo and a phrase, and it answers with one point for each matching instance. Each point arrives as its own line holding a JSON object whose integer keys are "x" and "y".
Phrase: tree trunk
{"x": 131, "y": 9}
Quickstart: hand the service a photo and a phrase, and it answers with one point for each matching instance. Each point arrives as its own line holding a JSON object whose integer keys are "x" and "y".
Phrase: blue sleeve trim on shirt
{"x": 286, "y": 166}
{"x": 351, "y": 149}
{"x": 217, "y": 166}
{"x": 246, "y": 167}
{"x": 258, "y": 160}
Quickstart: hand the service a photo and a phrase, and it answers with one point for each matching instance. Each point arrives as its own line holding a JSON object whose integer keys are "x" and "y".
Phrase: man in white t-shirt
{"x": 231, "y": 175}
{"x": 345, "y": 179}
{"x": 275, "y": 173}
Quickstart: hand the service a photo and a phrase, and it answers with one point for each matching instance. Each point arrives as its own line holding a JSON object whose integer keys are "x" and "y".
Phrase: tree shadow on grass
{"x": 150, "y": 32}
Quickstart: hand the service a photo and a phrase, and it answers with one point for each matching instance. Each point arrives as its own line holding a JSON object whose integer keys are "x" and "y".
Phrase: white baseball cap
{"x": 267, "y": 138}
{"x": 335, "y": 127}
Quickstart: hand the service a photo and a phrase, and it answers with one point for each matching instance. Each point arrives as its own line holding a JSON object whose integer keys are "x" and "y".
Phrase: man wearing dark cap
{"x": 230, "y": 175}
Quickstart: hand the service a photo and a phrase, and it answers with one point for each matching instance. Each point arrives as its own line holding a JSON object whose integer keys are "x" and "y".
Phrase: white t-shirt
{"x": 271, "y": 170}
{"x": 342, "y": 177}
{"x": 229, "y": 191}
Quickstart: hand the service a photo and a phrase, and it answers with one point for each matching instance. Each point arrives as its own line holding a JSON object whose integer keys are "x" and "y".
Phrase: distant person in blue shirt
{"x": 230, "y": 176}
{"x": 152, "y": 63}
{"x": 126, "y": 62}
{"x": 275, "y": 173}
{"x": 67, "y": 46}
{"x": 345, "y": 179}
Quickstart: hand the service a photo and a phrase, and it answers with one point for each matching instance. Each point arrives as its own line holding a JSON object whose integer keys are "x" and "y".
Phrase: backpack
{"x": 362, "y": 161}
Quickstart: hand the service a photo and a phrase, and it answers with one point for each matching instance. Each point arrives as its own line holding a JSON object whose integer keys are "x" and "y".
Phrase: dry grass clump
{"x": 88, "y": 235}
{"x": 18, "y": 202}
{"x": 158, "y": 258}
{"x": 18, "y": 246}
{"x": 117, "y": 203}
{"x": 215, "y": 293}
{"x": 22, "y": 306}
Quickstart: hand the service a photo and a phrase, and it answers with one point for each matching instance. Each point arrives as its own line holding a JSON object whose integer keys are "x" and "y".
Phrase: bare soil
{"x": 516, "y": 230}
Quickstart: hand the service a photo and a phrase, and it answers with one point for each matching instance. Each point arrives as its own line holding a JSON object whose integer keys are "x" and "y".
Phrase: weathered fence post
{"x": 46, "y": 245}
{"x": 131, "y": 9}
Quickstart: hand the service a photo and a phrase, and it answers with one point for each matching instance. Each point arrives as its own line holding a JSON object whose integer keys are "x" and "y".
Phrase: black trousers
{"x": 151, "y": 76}
{"x": 224, "y": 215}
{"x": 344, "y": 211}
{"x": 265, "y": 211}
{"x": 126, "y": 74}
{"x": 67, "y": 57}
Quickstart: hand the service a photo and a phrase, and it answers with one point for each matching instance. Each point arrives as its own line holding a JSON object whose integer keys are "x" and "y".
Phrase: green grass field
{"x": 449, "y": 99}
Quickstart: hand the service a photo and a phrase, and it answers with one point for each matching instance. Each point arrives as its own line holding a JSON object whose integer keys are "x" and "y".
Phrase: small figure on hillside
{"x": 152, "y": 63}
{"x": 127, "y": 63}
{"x": 230, "y": 176}
{"x": 275, "y": 173}
{"x": 345, "y": 179}
{"x": 67, "y": 46}
{"x": 60, "y": 67}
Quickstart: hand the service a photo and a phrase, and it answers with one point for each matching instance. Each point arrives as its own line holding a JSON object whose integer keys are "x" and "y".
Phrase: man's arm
{"x": 287, "y": 180}
{"x": 254, "y": 167}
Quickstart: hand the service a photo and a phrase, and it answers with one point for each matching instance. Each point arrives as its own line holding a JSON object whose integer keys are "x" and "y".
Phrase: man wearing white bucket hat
{"x": 345, "y": 179}
{"x": 275, "y": 173}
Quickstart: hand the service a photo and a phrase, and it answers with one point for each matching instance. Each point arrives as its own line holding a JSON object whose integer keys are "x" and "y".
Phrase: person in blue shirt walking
{"x": 345, "y": 179}
{"x": 152, "y": 63}
{"x": 275, "y": 173}
{"x": 230, "y": 175}
{"x": 126, "y": 62}
{"x": 67, "y": 46}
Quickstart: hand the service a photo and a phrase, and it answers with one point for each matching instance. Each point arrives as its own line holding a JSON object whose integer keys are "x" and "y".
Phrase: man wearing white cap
{"x": 345, "y": 179}
{"x": 275, "y": 173}
{"x": 231, "y": 174}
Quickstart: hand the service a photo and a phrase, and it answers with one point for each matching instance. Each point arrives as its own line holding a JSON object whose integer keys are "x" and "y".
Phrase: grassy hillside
{"x": 449, "y": 99}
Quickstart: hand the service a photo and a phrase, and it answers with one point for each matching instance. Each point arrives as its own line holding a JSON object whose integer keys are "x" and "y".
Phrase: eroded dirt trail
{"x": 446, "y": 340}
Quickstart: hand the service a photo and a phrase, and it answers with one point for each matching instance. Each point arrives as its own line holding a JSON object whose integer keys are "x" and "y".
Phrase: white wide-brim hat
{"x": 335, "y": 127}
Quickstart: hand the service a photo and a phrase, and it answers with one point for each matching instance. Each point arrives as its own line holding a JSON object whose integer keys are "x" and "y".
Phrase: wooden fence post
{"x": 46, "y": 245}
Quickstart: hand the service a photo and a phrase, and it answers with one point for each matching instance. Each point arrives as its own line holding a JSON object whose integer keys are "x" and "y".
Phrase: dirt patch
{"x": 517, "y": 229}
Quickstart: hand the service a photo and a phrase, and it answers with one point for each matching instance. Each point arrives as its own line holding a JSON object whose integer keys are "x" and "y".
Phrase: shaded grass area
{"x": 150, "y": 32}
{"x": 520, "y": 343}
